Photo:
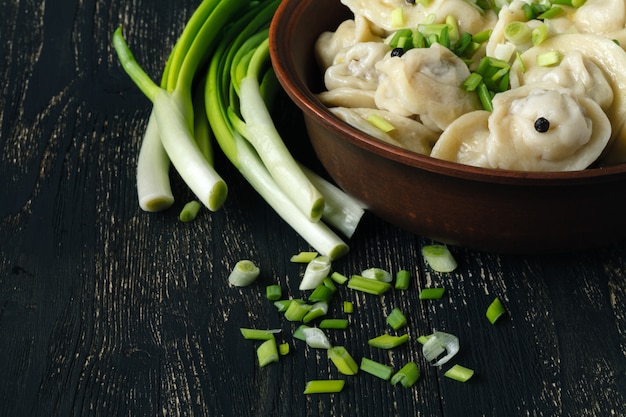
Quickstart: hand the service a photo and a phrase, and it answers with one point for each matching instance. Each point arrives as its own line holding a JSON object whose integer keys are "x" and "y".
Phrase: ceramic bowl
{"x": 477, "y": 208}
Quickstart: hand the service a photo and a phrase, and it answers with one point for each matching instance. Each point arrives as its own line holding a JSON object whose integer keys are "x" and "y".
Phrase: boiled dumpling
{"x": 425, "y": 82}
{"x": 541, "y": 127}
{"x": 465, "y": 140}
{"x": 407, "y": 133}
{"x": 348, "y": 33}
{"x": 600, "y": 16}
{"x": 606, "y": 56}
{"x": 355, "y": 67}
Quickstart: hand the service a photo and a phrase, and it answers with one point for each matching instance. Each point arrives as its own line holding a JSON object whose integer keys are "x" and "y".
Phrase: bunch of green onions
{"x": 218, "y": 87}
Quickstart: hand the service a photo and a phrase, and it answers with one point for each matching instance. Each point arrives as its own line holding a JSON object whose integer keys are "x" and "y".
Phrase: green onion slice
{"x": 267, "y": 352}
{"x": 396, "y": 319}
{"x": 258, "y": 334}
{"x": 368, "y": 285}
{"x": 459, "y": 373}
{"x": 316, "y": 271}
{"x": 403, "y": 279}
{"x": 304, "y": 257}
{"x": 495, "y": 310}
{"x": 440, "y": 343}
{"x": 378, "y": 274}
{"x": 244, "y": 273}
{"x": 377, "y": 369}
{"x": 431, "y": 293}
{"x": 439, "y": 258}
{"x": 387, "y": 341}
{"x": 342, "y": 359}
{"x": 407, "y": 375}
{"x": 324, "y": 386}
{"x": 273, "y": 292}
{"x": 313, "y": 336}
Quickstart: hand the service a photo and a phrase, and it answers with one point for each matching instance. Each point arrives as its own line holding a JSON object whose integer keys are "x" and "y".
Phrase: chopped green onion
{"x": 378, "y": 274}
{"x": 550, "y": 58}
{"x": 483, "y": 36}
{"x": 439, "y": 258}
{"x": 313, "y": 336}
{"x": 518, "y": 33}
{"x": 321, "y": 293}
{"x": 396, "y": 319}
{"x": 453, "y": 28}
{"x": 387, "y": 341}
{"x": 267, "y": 352}
{"x": 400, "y": 34}
{"x": 258, "y": 334}
{"x": 324, "y": 386}
{"x": 190, "y": 211}
{"x": 439, "y": 343}
{"x": 459, "y": 373}
{"x": 282, "y": 305}
{"x": 339, "y": 278}
{"x": 551, "y": 13}
{"x": 472, "y": 82}
{"x": 407, "y": 375}
{"x": 397, "y": 17}
{"x": 377, "y": 369}
{"x": 304, "y": 257}
{"x": 318, "y": 309}
{"x": 284, "y": 349}
{"x": 315, "y": 272}
{"x": 539, "y": 34}
{"x": 340, "y": 324}
{"x": 423, "y": 339}
{"x": 273, "y": 292}
{"x": 244, "y": 273}
{"x": 495, "y": 310}
{"x": 403, "y": 279}
{"x": 431, "y": 293}
{"x": 348, "y": 307}
{"x": 485, "y": 97}
{"x": 296, "y": 310}
{"x": 380, "y": 123}
{"x": 367, "y": 285}
{"x": 342, "y": 359}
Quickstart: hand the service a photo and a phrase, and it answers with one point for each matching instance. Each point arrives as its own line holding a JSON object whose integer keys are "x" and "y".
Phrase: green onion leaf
{"x": 335, "y": 324}
{"x": 367, "y": 285}
{"x": 296, "y": 310}
{"x": 267, "y": 352}
{"x": 304, "y": 257}
{"x": 273, "y": 292}
{"x": 403, "y": 279}
{"x": 258, "y": 334}
{"x": 348, "y": 307}
{"x": 317, "y": 310}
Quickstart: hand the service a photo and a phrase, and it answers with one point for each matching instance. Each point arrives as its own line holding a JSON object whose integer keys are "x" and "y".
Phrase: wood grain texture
{"x": 106, "y": 310}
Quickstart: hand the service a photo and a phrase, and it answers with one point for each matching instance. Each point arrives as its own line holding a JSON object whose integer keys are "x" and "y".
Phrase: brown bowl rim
{"x": 305, "y": 99}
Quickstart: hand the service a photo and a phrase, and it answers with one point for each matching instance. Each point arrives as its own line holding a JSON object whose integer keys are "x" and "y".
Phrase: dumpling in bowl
{"x": 407, "y": 133}
{"x": 426, "y": 83}
{"x": 592, "y": 63}
{"x": 536, "y": 127}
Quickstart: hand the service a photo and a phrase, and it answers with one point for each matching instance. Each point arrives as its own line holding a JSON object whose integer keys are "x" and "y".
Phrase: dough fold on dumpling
{"x": 464, "y": 140}
{"x": 540, "y": 127}
{"x": 470, "y": 17}
{"x": 355, "y": 66}
{"x": 407, "y": 133}
{"x": 348, "y": 97}
{"x": 425, "y": 82}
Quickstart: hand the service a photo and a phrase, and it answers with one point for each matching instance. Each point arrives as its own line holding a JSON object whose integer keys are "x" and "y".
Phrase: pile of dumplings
{"x": 563, "y": 117}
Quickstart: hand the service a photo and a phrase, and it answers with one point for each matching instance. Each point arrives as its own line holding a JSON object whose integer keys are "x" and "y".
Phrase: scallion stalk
{"x": 440, "y": 343}
{"x": 189, "y": 211}
{"x": 315, "y": 272}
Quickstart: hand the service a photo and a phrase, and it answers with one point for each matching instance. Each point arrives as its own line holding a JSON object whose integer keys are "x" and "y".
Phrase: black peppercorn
{"x": 542, "y": 125}
{"x": 397, "y": 52}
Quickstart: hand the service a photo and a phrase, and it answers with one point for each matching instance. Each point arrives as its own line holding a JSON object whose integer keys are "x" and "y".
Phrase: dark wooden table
{"x": 106, "y": 310}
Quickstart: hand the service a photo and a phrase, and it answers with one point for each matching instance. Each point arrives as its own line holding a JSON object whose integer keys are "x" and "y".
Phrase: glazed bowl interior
{"x": 485, "y": 209}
